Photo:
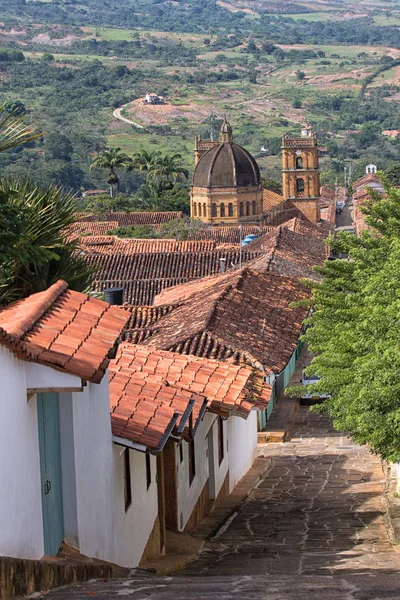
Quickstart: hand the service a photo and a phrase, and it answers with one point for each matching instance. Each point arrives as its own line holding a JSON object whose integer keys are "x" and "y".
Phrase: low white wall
{"x": 242, "y": 442}
{"x": 105, "y": 531}
{"x": 21, "y": 524}
{"x": 188, "y": 494}
{"x": 134, "y": 526}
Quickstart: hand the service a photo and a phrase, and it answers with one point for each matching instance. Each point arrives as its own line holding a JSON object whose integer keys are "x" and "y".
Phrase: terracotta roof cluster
{"x": 155, "y": 393}
{"x": 271, "y": 200}
{"x": 133, "y": 219}
{"x": 391, "y": 132}
{"x": 289, "y": 253}
{"x": 92, "y": 228}
{"x": 245, "y": 316}
{"x": 361, "y": 194}
{"x": 114, "y": 245}
{"x": 366, "y": 180}
{"x": 321, "y": 229}
{"x": 63, "y": 329}
{"x": 144, "y": 275}
{"x": 230, "y": 234}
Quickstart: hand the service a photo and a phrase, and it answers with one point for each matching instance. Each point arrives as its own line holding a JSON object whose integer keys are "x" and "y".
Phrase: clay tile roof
{"x": 289, "y": 253}
{"x": 63, "y": 329}
{"x": 144, "y": 275}
{"x": 246, "y": 316}
{"x": 134, "y": 218}
{"x": 365, "y": 180}
{"x": 95, "y": 229}
{"x": 304, "y": 227}
{"x": 152, "y": 393}
{"x": 230, "y": 234}
{"x": 271, "y": 200}
{"x": 115, "y": 245}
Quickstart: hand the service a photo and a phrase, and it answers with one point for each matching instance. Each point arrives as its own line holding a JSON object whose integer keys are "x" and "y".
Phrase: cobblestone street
{"x": 317, "y": 511}
{"x": 314, "y": 526}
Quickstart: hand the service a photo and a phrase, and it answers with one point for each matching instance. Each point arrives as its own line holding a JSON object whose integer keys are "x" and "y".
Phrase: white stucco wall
{"x": 21, "y": 526}
{"x": 105, "y": 531}
{"x": 242, "y": 442}
{"x": 188, "y": 495}
{"x": 134, "y": 526}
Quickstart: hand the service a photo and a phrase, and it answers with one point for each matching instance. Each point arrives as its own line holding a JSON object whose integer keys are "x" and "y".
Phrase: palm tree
{"x": 14, "y": 130}
{"x": 36, "y": 250}
{"x": 34, "y": 247}
{"x": 111, "y": 159}
{"x": 144, "y": 161}
{"x": 168, "y": 170}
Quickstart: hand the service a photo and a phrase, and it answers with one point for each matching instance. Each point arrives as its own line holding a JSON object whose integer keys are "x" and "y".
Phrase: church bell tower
{"x": 300, "y": 175}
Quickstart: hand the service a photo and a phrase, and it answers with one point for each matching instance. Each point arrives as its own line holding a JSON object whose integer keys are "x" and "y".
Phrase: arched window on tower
{"x": 300, "y": 186}
{"x": 204, "y": 209}
{"x": 222, "y": 210}
{"x": 199, "y": 209}
{"x": 213, "y": 209}
{"x": 254, "y": 207}
{"x": 247, "y": 209}
{"x": 241, "y": 213}
{"x": 230, "y": 209}
{"x": 299, "y": 162}
{"x": 194, "y": 209}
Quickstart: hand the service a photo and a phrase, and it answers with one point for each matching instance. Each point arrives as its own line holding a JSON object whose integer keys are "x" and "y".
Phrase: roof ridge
{"x": 37, "y": 309}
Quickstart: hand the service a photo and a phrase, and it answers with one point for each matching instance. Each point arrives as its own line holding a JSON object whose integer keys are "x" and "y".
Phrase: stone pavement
{"x": 314, "y": 526}
{"x": 319, "y": 510}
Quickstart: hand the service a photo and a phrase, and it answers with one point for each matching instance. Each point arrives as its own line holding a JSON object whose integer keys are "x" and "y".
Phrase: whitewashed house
{"x": 62, "y": 477}
{"x": 111, "y": 487}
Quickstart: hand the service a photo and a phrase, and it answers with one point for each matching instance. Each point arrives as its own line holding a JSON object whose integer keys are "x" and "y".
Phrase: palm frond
{"x": 14, "y": 131}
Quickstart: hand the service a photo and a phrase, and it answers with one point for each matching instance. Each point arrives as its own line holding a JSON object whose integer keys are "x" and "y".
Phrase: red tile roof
{"x": 114, "y": 245}
{"x": 133, "y": 218}
{"x": 289, "y": 253}
{"x": 229, "y": 234}
{"x": 244, "y": 315}
{"x": 153, "y": 392}
{"x": 365, "y": 180}
{"x": 271, "y": 200}
{"x": 95, "y": 229}
{"x": 63, "y": 329}
{"x": 144, "y": 275}
{"x": 322, "y": 229}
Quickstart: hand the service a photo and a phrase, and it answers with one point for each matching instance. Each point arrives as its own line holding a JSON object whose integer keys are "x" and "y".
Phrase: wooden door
{"x": 50, "y": 471}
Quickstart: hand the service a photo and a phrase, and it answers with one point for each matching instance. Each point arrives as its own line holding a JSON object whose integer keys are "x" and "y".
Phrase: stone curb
{"x": 391, "y": 503}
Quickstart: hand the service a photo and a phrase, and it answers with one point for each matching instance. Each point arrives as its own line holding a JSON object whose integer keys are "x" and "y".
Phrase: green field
{"x": 315, "y": 16}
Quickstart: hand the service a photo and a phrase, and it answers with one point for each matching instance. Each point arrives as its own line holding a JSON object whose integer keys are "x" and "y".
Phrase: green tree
{"x": 181, "y": 229}
{"x": 354, "y": 330}
{"x": 144, "y": 161}
{"x": 112, "y": 159}
{"x": 35, "y": 248}
{"x": 167, "y": 170}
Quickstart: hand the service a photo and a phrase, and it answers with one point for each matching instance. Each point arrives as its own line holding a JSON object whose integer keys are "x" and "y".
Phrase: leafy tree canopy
{"x": 354, "y": 330}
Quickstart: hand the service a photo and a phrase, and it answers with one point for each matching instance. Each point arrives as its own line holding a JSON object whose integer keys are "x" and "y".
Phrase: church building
{"x": 226, "y": 187}
{"x": 300, "y": 175}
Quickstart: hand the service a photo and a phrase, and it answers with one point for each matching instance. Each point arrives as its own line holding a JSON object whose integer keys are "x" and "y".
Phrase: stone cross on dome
{"x": 225, "y": 134}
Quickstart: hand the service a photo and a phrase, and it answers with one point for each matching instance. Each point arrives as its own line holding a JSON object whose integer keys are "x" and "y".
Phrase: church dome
{"x": 226, "y": 165}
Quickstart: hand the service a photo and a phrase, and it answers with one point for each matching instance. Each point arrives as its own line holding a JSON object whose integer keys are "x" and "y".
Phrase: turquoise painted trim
{"x": 50, "y": 471}
{"x": 280, "y": 384}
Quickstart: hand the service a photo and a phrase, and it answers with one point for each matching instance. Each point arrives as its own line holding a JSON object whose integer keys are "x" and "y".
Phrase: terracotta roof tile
{"x": 133, "y": 218}
{"x": 114, "y": 245}
{"x": 145, "y": 275}
{"x": 246, "y": 316}
{"x": 63, "y": 329}
{"x": 150, "y": 388}
{"x": 271, "y": 200}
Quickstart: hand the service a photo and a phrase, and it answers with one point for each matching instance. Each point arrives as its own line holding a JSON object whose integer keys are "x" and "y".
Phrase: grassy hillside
{"x": 224, "y": 57}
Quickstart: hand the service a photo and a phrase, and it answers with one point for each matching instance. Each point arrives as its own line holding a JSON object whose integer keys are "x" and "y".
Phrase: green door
{"x": 50, "y": 471}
